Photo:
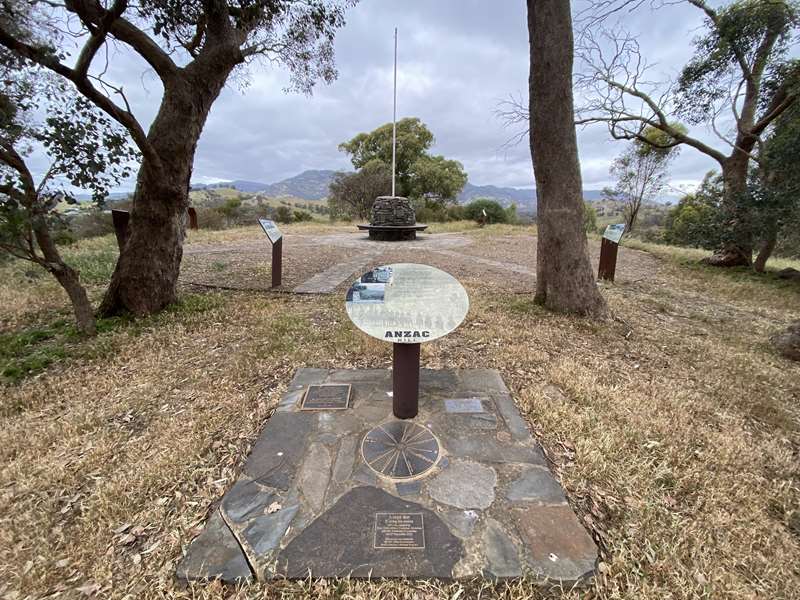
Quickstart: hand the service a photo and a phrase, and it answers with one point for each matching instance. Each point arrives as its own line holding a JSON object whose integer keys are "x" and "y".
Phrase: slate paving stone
{"x": 502, "y": 555}
{"x": 489, "y": 498}
{"x": 473, "y": 421}
{"x": 514, "y": 421}
{"x": 215, "y": 554}
{"x": 535, "y": 484}
{"x": 558, "y": 545}
{"x": 345, "y": 457}
{"x": 339, "y": 423}
{"x": 306, "y": 377}
{"x": 246, "y": 499}
{"x": 464, "y": 485}
{"x": 408, "y": 488}
{"x": 314, "y": 475}
{"x": 327, "y": 438}
{"x": 265, "y": 532}
{"x": 461, "y": 522}
{"x": 277, "y": 455}
{"x": 341, "y": 542}
{"x": 486, "y": 448}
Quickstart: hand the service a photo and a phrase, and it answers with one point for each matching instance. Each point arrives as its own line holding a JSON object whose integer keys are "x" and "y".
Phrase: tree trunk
{"x": 69, "y": 280}
{"x": 146, "y": 275}
{"x": 64, "y": 274}
{"x": 565, "y": 280}
{"x": 767, "y": 247}
{"x": 737, "y": 250}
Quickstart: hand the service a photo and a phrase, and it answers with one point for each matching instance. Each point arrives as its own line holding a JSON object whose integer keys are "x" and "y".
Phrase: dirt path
{"x": 327, "y": 262}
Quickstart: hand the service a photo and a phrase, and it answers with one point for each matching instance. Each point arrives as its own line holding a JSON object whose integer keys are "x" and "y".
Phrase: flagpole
{"x": 394, "y": 112}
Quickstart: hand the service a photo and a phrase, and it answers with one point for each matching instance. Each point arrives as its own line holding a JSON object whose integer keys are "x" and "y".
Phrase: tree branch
{"x": 84, "y": 86}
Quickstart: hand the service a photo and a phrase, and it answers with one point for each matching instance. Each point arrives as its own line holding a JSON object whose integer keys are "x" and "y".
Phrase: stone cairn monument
{"x": 392, "y": 220}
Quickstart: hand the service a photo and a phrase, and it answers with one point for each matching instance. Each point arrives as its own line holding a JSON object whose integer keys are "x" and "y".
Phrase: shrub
{"x": 494, "y": 212}
{"x": 301, "y": 215}
{"x": 589, "y": 218}
{"x": 456, "y": 212}
{"x": 283, "y": 214}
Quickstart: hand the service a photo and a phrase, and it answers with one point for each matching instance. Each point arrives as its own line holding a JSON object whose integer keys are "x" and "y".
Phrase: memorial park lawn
{"x": 674, "y": 428}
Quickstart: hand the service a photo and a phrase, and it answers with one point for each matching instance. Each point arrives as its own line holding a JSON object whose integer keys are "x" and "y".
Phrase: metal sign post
{"x": 405, "y": 380}
{"x": 608, "y": 251}
{"x": 276, "y": 239}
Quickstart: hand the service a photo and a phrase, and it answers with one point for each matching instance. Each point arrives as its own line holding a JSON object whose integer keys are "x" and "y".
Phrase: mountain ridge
{"x": 312, "y": 185}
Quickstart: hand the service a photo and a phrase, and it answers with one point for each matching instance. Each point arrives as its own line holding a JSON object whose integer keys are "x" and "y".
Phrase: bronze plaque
{"x": 326, "y": 397}
{"x": 399, "y": 531}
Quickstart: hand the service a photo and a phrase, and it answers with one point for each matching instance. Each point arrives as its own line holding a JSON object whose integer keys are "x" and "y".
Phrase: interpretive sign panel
{"x": 271, "y": 229}
{"x": 399, "y": 531}
{"x": 326, "y": 397}
{"x": 406, "y": 303}
{"x": 614, "y": 233}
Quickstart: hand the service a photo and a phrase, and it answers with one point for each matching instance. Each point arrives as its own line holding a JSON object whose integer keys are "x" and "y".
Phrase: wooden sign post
{"x": 192, "y": 213}
{"x": 608, "y": 251}
{"x": 120, "y": 219}
{"x": 276, "y": 239}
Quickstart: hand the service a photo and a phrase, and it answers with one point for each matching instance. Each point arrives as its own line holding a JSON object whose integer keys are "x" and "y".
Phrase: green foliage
{"x": 418, "y": 174}
{"x": 743, "y": 27}
{"x": 301, "y": 216}
{"x": 352, "y": 194}
{"x": 31, "y": 350}
{"x": 283, "y": 214}
{"x": 494, "y": 212}
{"x": 511, "y": 214}
{"x": 456, "y": 212}
{"x": 696, "y": 220}
{"x": 589, "y": 218}
{"x": 775, "y": 185}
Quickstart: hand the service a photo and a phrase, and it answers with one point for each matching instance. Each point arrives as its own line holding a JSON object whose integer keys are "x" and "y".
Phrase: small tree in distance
{"x": 419, "y": 175}
{"x": 641, "y": 172}
{"x": 352, "y": 194}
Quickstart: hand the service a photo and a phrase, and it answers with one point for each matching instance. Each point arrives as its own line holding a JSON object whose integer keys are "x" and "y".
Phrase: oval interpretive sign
{"x": 407, "y": 303}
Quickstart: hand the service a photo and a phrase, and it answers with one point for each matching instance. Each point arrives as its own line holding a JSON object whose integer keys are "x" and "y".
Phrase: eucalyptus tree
{"x": 193, "y": 46}
{"x": 641, "y": 171}
{"x": 419, "y": 173}
{"x": 736, "y": 83}
{"x": 84, "y": 149}
{"x": 564, "y": 278}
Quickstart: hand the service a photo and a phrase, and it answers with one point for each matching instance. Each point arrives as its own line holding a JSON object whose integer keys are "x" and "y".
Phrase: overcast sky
{"x": 457, "y": 60}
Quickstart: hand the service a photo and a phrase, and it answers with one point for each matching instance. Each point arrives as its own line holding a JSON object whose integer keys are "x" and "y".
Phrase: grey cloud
{"x": 457, "y": 59}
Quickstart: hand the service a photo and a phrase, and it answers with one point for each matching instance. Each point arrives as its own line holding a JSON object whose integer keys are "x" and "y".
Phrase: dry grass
{"x": 674, "y": 429}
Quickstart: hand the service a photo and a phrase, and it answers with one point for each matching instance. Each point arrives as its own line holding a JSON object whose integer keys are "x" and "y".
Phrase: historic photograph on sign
{"x": 370, "y": 288}
{"x": 271, "y": 229}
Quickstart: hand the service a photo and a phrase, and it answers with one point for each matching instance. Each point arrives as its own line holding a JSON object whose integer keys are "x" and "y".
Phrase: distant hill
{"x": 313, "y": 185}
{"x": 309, "y": 185}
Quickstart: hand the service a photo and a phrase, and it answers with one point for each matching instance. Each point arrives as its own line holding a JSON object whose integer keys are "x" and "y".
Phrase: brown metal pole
{"x": 608, "y": 260}
{"x": 405, "y": 380}
{"x": 277, "y": 262}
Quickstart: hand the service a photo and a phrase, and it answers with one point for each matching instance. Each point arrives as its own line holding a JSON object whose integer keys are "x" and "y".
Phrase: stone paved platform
{"x": 308, "y": 503}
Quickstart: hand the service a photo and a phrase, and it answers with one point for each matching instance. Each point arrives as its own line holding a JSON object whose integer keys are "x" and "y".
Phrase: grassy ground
{"x": 673, "y": 427}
